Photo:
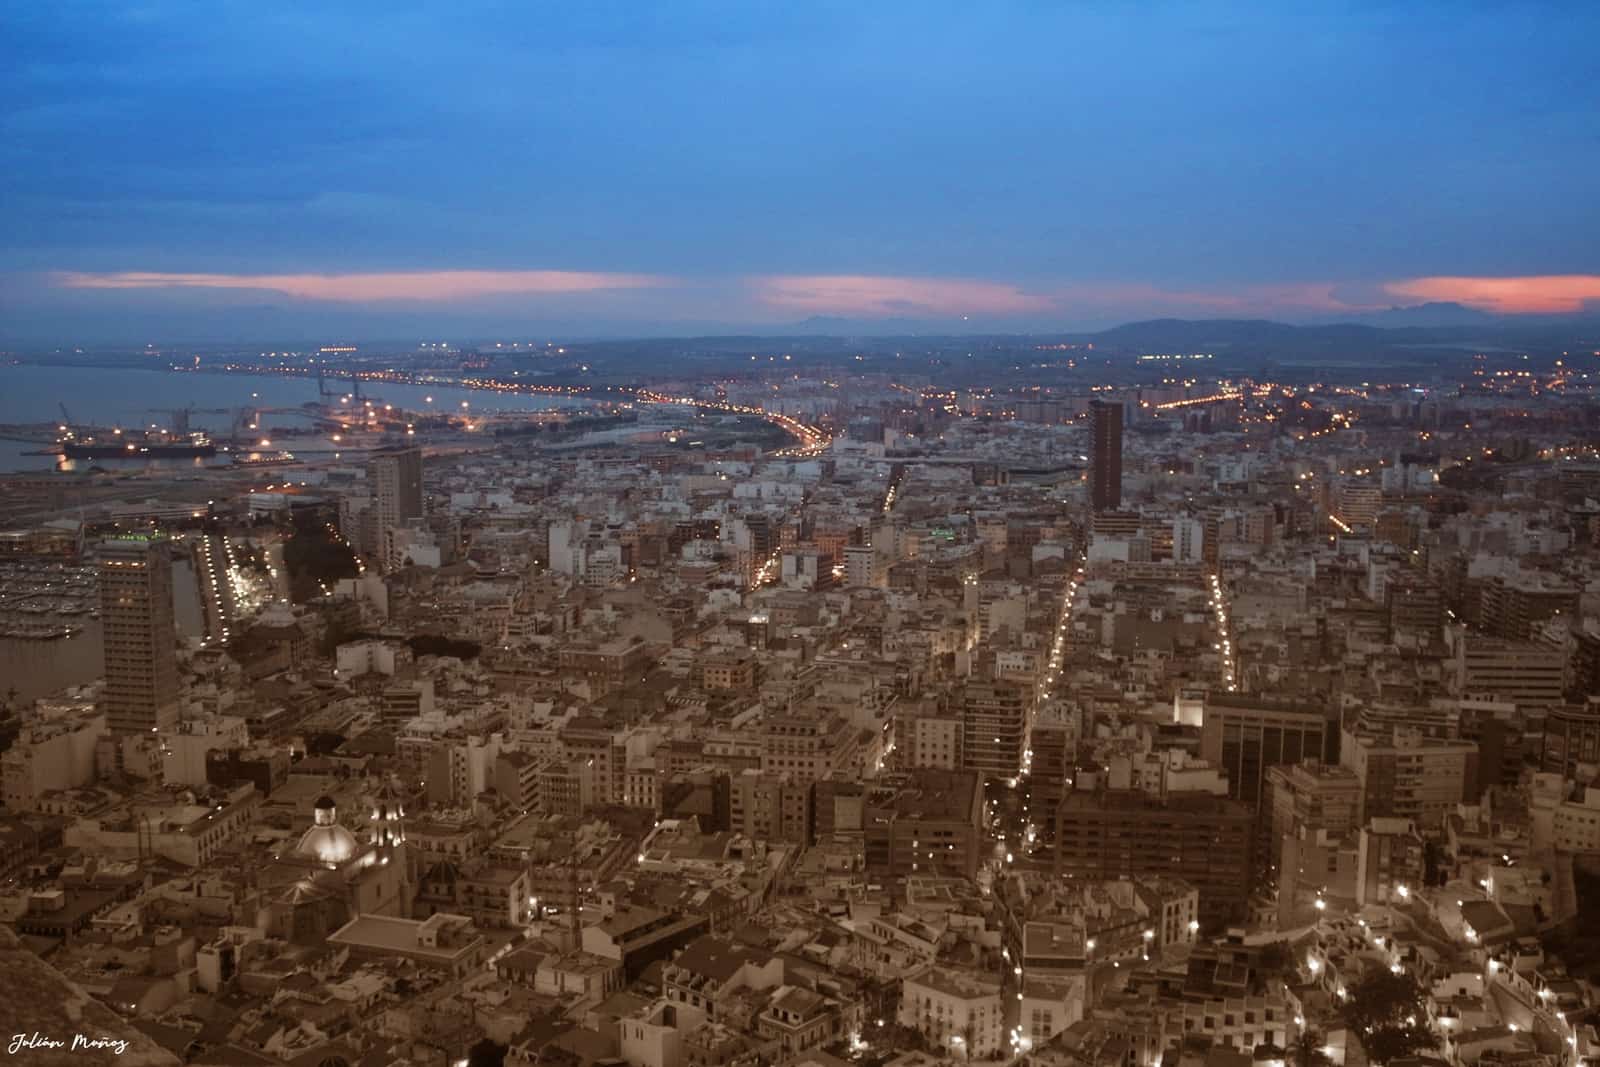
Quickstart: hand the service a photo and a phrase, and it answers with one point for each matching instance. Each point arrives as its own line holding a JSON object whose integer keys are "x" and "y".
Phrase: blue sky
{"x": 641, "y": 168}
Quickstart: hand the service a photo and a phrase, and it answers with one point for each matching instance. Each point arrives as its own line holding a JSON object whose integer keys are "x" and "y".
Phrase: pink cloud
{"x": 441, "y": 285}
{"x": 1529, "y": 294}
{"x": 882, "y": 296}
{"x": 871, "y": 295}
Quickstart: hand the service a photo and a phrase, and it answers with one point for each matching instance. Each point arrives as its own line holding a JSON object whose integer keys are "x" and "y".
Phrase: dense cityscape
{"x": 724, "y": 534}
{"x": 824, "y": 708}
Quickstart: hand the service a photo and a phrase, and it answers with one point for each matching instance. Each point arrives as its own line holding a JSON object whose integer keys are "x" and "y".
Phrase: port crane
{"x": 180, "y": 416}
{"x": 322, "y": 386}
{"x": 246, "y": 419}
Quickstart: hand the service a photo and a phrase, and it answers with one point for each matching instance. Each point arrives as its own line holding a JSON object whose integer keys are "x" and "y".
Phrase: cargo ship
{"x": 115, "y": 444}
{"x": 138, "y": 449}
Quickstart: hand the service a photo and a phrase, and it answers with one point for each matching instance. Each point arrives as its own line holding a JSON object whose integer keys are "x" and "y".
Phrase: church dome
{"x": 327, "y": 840}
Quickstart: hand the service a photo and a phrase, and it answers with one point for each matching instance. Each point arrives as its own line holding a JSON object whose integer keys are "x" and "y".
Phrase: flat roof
{"x": 401, "y": 936}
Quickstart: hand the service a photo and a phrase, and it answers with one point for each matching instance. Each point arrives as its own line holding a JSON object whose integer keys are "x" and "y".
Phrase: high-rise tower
{"x": 396, "y": 478}
{"x": 1105, "y": 456}
{"x": 137, "y": 636}
{"x": 395, "y": 475}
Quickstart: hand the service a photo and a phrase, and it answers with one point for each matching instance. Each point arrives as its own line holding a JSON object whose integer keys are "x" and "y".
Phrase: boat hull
{"x": 75, "y": 451}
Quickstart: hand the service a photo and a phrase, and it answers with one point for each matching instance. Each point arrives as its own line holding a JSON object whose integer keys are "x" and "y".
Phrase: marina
{"x": 50, "y": 621}
{"x": 43, "y": 601}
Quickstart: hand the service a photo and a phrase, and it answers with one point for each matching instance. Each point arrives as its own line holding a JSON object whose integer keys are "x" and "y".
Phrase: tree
{"x": 1275, "y": 959}
{"x": 439, "y": 645}
{"x": 313, "y": 556}
{"x": 1308, "y": 1050}
{"x": 486, "y": 1053}
{"x": 1435, "y": 863}
{"x": 1388, "y": 1015}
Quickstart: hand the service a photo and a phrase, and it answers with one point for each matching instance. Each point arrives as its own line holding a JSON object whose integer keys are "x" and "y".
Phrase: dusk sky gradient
{"x": 236, "y": 170}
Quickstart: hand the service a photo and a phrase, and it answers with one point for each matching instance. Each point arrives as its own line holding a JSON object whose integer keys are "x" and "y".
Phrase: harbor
{"x": 46, "y": 600}
{"x": 299, "y": 418}
{"x": 50, "y": 620}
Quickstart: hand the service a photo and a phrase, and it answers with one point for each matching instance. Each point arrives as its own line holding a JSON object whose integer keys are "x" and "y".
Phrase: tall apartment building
{"x": 1313, "y": 812}
{"x": 1571, "y": 737}
{"x": 516, "y": 779}
{"x": 1205, "y": 840}
{"x": 1415, "y": 604}
{"x": 928, "y": 736}
{"x": 925, "y": 822}
{"x": 590, "y": 740}
{"x": 1188, "y": 540}
{"x": 1116, "y": 525}
{"x": 1411, "y": 776}
{"x": 1503, "y": 739}
{"x": 358, "y": 523}
{"x": 1583, "y": 665}
{"x": 1392, "y": 859}
{"x": 1565, "y": 815}
{"x": 866, "y": 567}
{"x": 1314, "y": 796}
{"x": 395, "y": 475}
{"x": 139, "y": 644}
{"x": 770, "y": 807}
{"x": 1528, "y": 674}
{"x": 1513, "y": 606}
{"x": 1105, "y": 455}
{"x": 566, "y": 788}
{"x": 994, "y": 727}
{"x": 808, "y": 744}
{"x": 1358, "y": 506}
{"x": 1054, "y": 741}
{"x": 1246, "y": 735}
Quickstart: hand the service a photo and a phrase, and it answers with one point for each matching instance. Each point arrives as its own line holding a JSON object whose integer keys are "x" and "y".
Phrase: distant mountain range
{"x": 1368, "y": 335}
{"x": 1441, "y": 325}
{"x": 1433, "y": 314}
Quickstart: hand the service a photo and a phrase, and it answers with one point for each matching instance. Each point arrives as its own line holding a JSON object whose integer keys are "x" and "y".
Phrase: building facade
{"x": 138, "y": 641}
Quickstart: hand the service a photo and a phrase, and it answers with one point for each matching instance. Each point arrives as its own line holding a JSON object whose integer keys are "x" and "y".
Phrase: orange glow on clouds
{"x": 879, "y": 295}
{"x": 442, "y": 285}
{"x": 883, "y": 296}
{"x": 1547, "y": 294}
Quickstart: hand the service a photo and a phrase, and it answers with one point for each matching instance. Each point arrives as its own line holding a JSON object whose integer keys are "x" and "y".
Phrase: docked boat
{"x": 264, "y": 459}
{"x": 115, "y": 443}
{"x": 138, "y": 450}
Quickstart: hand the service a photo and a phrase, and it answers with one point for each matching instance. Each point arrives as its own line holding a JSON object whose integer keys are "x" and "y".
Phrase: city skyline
{"x": 706, "y": 169}
{"x": 815, "y": 535}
